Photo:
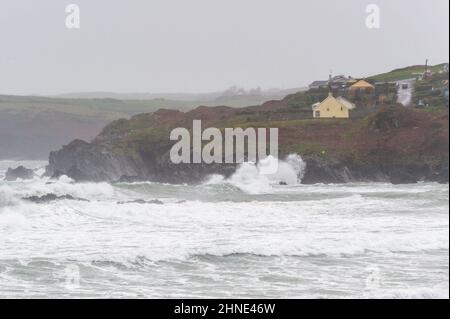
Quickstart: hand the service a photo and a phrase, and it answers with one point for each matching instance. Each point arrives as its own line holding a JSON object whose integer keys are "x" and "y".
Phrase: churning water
{"x": 242, "y": 237}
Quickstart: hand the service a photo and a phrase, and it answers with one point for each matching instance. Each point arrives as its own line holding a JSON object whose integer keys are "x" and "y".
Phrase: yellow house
{"x": 333, "y": 107}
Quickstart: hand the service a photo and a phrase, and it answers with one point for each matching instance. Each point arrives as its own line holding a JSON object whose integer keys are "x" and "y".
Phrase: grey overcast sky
{"x": 208, "y": 45}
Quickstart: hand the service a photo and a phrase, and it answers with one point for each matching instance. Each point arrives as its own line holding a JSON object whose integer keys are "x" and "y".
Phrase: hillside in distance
{"x": 235, "y": 96}
{"x": 32, "y": 126}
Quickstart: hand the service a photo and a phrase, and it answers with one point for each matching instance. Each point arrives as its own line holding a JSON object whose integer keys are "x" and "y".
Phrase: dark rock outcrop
{"x": 51, "y": 197}
{"x": 142, "y": 201}
{"x": 19, "y": 172}
{"x": 395, "y": 173}
{"x": 83, "y": 161}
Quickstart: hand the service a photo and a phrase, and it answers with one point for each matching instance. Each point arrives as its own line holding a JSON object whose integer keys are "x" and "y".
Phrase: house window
{"x": 317, "y": 113}
{"x": 342, "y": 108}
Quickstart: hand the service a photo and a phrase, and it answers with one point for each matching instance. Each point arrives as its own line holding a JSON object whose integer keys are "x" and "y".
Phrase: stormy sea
{"x": 248, "y": 236}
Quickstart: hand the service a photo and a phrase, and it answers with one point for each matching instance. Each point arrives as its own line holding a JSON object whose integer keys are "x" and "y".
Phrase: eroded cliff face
{"x": 84, "y": 161}
{"x": 317, "y": 172}
{"x": 393, "y": 144}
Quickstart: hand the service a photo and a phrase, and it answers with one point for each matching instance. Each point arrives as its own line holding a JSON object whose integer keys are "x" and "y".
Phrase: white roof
{"x": 346, "y": 102}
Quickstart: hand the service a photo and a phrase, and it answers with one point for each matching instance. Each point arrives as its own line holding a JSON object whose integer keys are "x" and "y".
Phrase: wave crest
{"x": 251, "y": 178}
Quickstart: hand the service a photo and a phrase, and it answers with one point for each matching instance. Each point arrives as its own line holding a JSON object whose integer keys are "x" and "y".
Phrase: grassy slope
{"x": 109, "y": 108}
{"x": 429, "y": 92}
{"x": 394, "y": 135}
{"x": 404, "y": 73}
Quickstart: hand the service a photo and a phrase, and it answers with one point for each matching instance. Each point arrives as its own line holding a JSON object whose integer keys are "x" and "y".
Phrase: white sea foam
{"x": 250, "y": 177}
{"x": 62, "y": 186}
{"x": 214, "y": 240}
{"x": 440, "y": 291}
{"x": 10, "y": 218}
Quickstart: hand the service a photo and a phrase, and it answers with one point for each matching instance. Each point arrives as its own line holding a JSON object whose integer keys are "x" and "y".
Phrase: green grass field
{"x": 404, "y": 73}
{"x": 106, "y": 108}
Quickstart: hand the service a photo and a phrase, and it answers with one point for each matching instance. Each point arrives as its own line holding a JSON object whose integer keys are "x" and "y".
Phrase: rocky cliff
{"x": 392, "y": 144}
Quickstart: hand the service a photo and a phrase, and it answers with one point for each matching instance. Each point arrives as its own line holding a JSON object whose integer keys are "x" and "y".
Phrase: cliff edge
{"x": 391, "y": 144}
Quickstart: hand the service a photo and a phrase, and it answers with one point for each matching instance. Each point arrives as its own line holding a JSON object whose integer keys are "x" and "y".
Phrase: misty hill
{"x": 32, "y": 126}
{"x": 235, "y": 95}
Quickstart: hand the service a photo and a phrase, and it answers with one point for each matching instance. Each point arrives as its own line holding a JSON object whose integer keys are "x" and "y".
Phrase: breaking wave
{"x": 261, "y": 177}
{"x": 220, "y": 237}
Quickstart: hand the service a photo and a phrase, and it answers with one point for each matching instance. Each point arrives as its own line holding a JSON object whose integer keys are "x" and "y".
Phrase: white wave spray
{"x": 251, "y": 178}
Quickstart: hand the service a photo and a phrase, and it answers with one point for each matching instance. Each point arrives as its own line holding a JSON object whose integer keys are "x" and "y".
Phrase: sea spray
{"x": 250, "y": 177}
{"x": 317, "y": 240}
